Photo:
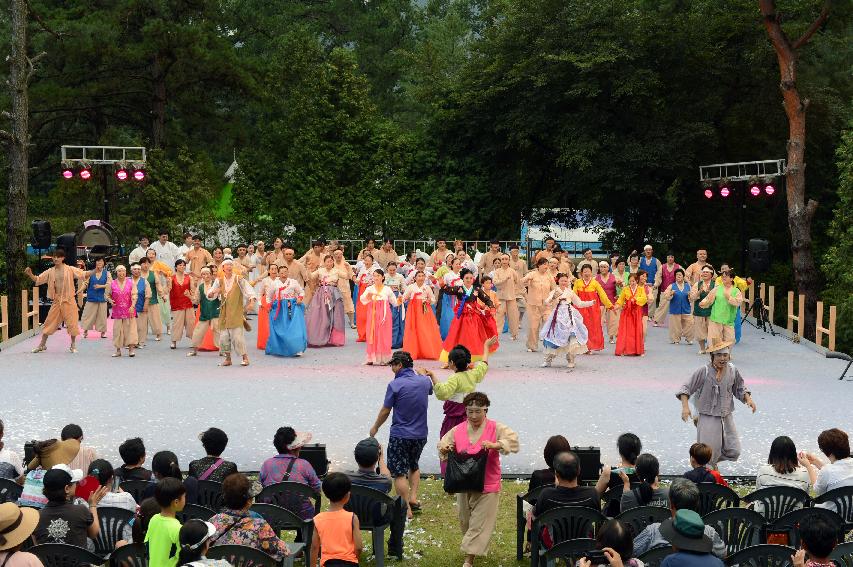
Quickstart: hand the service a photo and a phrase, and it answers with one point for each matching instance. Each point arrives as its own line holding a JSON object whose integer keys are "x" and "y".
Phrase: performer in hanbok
{"x": 742, "y": 285}
{"x": 122, "y": 295}
{"x": 163, "y": 273}
{"x": 394, "y": 281}
{"x": 95, "y": 311}
{"x": 447, "y": 301}
{"x": 677, "y": 296}
{"x": 509, "y": 286}
{"x": 564, "y": 331}
{"x": 609, "y": 283}
{"x": 589, "y": 289}
{"x": 313, "y": 260}
{"x": 206, "y": 331}
{"x": 667, "y": 278}
{"x": 438, "y": 255}
{"x": 143, "y": 295}
{"x": 473, "y": 322}
{"x": 264, "y": 287}
{"x": 181, "y": 302}
{"x": 421, "y": 338}
{"x": 288, "y": 333}
{"x": 642, "y": 281}
{"x": 236, "y": 298}
{"x": 362, "y": 281}
{"x": 149, "y": 318}
{"x": 539, "y": 285}
{"x": 724, "y": 301}
{"x": 325, "y": 318}
{"x": 377, "y": 301}
{"x": 420, "y": 266}
{"x": 370, "y": 249}
{"x": 630, "y": 339}
{"x": 714, "y": 388}
{"x": 651, "y": 266}
{"x": 345, "y": 276}
{"x": 701, "y": 314}
{"x": 621, "y": 273}
{"x": 276, "y": 255}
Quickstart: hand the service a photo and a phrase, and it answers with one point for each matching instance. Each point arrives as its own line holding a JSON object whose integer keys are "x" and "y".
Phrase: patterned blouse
{"x": 274, "y": 470}
{"x": 249, "y": 529}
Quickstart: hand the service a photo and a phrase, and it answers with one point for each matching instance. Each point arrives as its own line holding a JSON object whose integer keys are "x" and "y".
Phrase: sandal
{"x": 40, "y": 348}
{"x": 173, "y": 346}
{"x": 192, "y": 353}
{"x": 244, "y": 362}
{"x": 72, "y": 349}
{"x": 116, "y": 354}
{"x": 415, "y": 506}
{"x": 226, "y": 362}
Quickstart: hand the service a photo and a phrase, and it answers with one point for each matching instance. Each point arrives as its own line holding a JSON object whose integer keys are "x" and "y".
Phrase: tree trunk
{"x": 158, "y": 107}
{"x": 18, "y": 146}
{"x": 800, "y": 213}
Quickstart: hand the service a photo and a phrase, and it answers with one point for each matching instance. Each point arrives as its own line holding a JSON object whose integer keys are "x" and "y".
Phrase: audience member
{"x": 566, "y": 491}
{"x": 685, "y": 531}
{"x": 817, "y": 538}
{"x": 165, "y": 465}
{"x": 148, "y": 508}
{"x": 11, "y": 465}
{"x": 132, "y": 453}
{"x": 16, "y": 527}
{"x": 408, "y": 396}
{"x": 287, "y": 466}
{"x": 212, "y": 467}
{"x": 545, "y": 477}
{"x": 649, "y": 492}
{"x": 195, "y": 537}
{"x": 47, "y": 455}
{"x": 337, "y": 535}
{"x": 236, "y": 525}
{"x": 615, "y": 540}
{"x": 683, "y": 495}
{"x": 86, "y": 454}
{"x": 630, "y": 447}
{"x": 838, "y": 472}
{"x": 161, "y": 538}
{"x": 61, "y": 520}
{"x": 781, "y": 469}
{"x": 700, "y": 456}
{"x": 103, "y": 471}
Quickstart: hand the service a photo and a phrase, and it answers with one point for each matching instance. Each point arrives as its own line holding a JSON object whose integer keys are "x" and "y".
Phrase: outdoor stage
{"x": 167, "y": 398}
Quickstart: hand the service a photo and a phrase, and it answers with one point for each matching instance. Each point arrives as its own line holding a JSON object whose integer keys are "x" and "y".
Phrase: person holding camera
{"x": 614, "y": 547}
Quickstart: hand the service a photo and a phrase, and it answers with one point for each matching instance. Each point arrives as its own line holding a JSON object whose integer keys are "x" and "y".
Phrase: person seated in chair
{"x": 132, "y": 453}
{"x": 212, "y": 467}
{"x": 700, "y": 456}
{"x": 686, "y": 533}
{"x": 545, "y": 477}
{"x": 817, "y": 538}
{"x": 683, "y": 495}
{"x": 287, "y": 466}
{"x": 838, "y": 472}
{"x": 614, "y": 539}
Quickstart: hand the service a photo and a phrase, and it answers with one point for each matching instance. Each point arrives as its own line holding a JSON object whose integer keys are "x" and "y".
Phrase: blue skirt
{"x": 355, "y": 302}
{"x": 447, "y": 315}
{"x": 288, "y": 335}
{"x": 397, "y": 326}
{"x": 738, "y": 323}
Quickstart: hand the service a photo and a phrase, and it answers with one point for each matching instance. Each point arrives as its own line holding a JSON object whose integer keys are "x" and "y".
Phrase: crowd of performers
{"x": 424, "y": 305}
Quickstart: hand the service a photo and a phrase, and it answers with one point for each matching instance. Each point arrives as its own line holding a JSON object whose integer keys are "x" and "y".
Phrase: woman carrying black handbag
{"x": 472, "y": 450}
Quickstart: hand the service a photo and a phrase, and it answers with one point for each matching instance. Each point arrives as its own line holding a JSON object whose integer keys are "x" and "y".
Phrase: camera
{"x": 596, "y": 557}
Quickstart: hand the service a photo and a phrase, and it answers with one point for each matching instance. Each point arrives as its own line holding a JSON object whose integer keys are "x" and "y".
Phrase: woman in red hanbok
{"x": 362, "y": 281}
{"x": 589, "y": 289}
{"x": 421, "y": 337}
{"x": 264, "y": 310}
{"x": 630, "y": 338}
{"x": 472, "y": 323}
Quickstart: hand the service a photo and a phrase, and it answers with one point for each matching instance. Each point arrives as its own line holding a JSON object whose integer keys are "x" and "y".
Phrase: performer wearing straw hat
{"x": 714, "y": 387}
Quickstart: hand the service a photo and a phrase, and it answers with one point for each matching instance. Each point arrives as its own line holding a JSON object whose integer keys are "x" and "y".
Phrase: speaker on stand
{"x": 41, "y": 234}
{"x": 68, "y": 242}
{"x": 759, "y": 255}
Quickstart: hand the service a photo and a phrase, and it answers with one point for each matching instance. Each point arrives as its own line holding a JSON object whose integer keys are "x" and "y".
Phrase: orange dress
{"x": 364, "y": 281}
{"x": 264, "y": 316}
{"x": 421, "y": 337}
{"x": 207, "y": 344}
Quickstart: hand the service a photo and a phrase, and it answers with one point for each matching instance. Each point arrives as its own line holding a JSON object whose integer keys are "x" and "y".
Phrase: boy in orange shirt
{"x": 337, "y": 536}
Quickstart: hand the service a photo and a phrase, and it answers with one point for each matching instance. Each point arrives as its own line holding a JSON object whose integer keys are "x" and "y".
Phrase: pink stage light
{"x": 724, "y": 192}
{"x": 755, "y": 190}
{"x": 85, "y": 174}
{"x": 121, "y": 174}
{"x": 139, "y": 175}
{"x": 67, "y": 173}
{"x": 709, "y": 193}
{"x": 769, "y": 189}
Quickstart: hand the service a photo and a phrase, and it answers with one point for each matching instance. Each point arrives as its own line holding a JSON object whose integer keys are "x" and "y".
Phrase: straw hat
{"x": 57, "y": 453}
{"x": 302, "y": 439}
{"x": 718, "y": 346}
{"x": 16, "y": 525}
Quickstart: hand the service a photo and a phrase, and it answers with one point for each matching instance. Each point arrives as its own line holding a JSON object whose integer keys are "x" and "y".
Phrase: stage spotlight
{"x": 121, "y": 174}
{"x": 769, "y": 189}
{"x": 709, "y": 193}
{"x": 724, "y": 192}
{"x": 85, "y": 173}
{"x": 67, "y": 172}
{"x": 755, "y": 190}
{"x": 138, "y": 173}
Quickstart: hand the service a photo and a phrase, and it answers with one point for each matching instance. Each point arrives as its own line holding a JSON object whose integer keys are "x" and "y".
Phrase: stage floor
{"x": 167, "y": 399}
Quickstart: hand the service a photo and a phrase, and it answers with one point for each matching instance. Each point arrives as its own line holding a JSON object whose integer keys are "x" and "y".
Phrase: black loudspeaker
{"x": 590, "y": 461}
{"x": 316, "y": 455}
{"x": 41, "y": 234}
{"x": 68, "y": 242}
{"x": 759, "y": 255}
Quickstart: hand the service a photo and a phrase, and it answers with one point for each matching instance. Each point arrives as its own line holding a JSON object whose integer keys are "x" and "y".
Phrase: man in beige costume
{"x": 233, "y": 293}
{"x": 509, "y": 287}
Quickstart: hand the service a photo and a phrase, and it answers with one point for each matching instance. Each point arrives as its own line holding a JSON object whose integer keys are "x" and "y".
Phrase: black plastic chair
{"x": 112, "y": 522}
{"x": 636, "y": 519}
{"x": 10, "y": 490}
{"x": 790, "y": 524}
{"x": 653, "y": 557}
{"x": 135, "y": 488}
{"x": 774, "y": 502}
{"x": 130, "y": 555}
{"x": 611, "y": 500}
{"x": 764, "y": 555}
{"x": 195, "y": 512}
{"x": 841, "y": 501}
{"x": 739, "y": 527}
{"x": 521, "y": 518}
{"x": 375, "y": 511}
{"x": 281, "y": 519}
{"x": 564, "y": 523}
{"x": 842, "y": 555}
{"x": 570, "y": 551}
{"x": 64, "y": 555}
{"x": 290, "y": 495}
{"x": 242, "y": 556}
{"x": 713, "y": 496}
{"x": 210, "y": 494}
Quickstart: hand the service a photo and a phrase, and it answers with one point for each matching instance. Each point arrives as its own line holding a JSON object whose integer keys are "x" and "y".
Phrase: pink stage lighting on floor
{"x": 85, "y": 174}
{"x": 724, "y": 192}
{"x": 755, "y": 190}
{"x": 769, "y": 189}
{"x": 709, "y": 193}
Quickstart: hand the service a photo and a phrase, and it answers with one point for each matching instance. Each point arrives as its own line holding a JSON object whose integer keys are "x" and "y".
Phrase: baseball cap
{"x": 367, "y": 450}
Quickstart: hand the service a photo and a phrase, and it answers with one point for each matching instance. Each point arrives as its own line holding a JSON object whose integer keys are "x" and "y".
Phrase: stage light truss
{"x": 742, "y": 171}
{"x": 103, "y": 155}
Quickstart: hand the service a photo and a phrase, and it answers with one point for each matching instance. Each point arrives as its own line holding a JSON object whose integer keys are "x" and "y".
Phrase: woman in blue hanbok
{"x": 564, "y": 331}
{"x": 288, "y": 334}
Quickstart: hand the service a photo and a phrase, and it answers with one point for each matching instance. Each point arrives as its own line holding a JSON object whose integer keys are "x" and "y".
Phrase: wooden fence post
{"x": 799, "y": 317}
{"x": 4, "y": 318}
{"x": 820, "y": 329}
{"x": 28, "y": 314}
{"x": 771, "y": 301}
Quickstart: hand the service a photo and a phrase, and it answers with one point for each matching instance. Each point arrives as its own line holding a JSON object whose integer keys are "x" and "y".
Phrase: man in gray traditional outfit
{"x": 714, "y": 387}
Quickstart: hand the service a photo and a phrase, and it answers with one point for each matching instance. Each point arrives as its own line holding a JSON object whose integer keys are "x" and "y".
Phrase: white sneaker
{"x": 545, "y": 364}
